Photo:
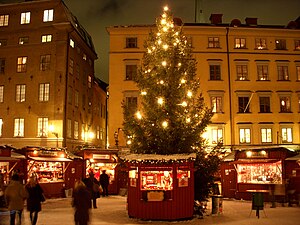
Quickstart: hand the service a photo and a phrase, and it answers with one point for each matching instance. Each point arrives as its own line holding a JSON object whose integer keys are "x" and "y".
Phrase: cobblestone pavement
{"x": 112, "y": 211}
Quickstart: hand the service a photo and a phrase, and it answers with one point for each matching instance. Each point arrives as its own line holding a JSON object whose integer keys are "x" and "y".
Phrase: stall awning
{"x": 50, "y": 159}
{"x": 254, "y": 161}
{"x": 6, "y": 159}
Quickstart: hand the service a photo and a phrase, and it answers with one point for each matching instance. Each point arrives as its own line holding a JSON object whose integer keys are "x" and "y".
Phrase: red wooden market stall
{"x": 255, "y": 169}
{"x": 161, "y": 187}
{"x": 97, "y": 160}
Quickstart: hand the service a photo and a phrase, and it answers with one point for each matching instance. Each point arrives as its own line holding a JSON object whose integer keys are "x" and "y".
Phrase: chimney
{"x": 215, "y": 18}
{"x": 251, "y": 21}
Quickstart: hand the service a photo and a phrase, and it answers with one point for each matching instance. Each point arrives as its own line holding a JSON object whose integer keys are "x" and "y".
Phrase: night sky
{"x": 96, "y": 15}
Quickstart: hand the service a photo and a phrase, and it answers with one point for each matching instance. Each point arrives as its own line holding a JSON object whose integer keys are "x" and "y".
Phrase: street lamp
{"x": 51, "y": 129}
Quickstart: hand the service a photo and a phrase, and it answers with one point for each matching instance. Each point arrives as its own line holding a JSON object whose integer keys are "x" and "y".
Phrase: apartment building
{"x": 49, "y": 95}
{"x": 249, "y": 76}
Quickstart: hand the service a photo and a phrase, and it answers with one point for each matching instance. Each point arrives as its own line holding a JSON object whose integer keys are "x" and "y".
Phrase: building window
{"x": 4, "y": 20}
{"x": 71, "y": 66}
{"x": 298, "y": 72}
{"x": 260, "y": 43}
{"x": 297, "y": 44}
{"x": 20, "y": 92}
{"x": 25, "y": 18}
{"x": 298, "y": 103}
{"x": 242, "y": 72}
{"x": 286, "y": 135}
{"x": 90, "y": 81}
{"x": 76, "y": 130}
{"x": 217, "y": 135}
{"x": 23, "y": 40}
{"x": 70, "y": 95}
{"x": 213, "y": 42}
{"x": 264, "y": 105}
{"x": 131, "y": 103}
{"x": 285, "y": 104}
{"x": 45, "y": 62}
{"x": 239, "y": 43}
{"x": 266, "y": 135}
{"x": 216, "y": 103}
{"x": 3, "y": 42}
{"x": 84, "y": 57}
{"x": 1, "y": 126}
{"x": 2, "y": 66}
{"x": 46, "y": 38}
{"x": 131, "y": 71}
{"x": 245, "y": 135}
{"x": 280, "y": 44}
{"x": 76, "y": 98}
{"x": 244, "y": 105}
{"x": 48, "y": 15}
{"x": 42, "y": 127}
{"x": 1, "y": 93}
{"x": 262, "y": 72}
{"x": 44, "y": 92}
{"x": 283, "y": 73}
{"x": 214, "y": 72}
{"x": 69, "y": 128}
{"x": 19, "y": 127}
{"x": 77, "y": 71}
{"x": 72, "y": 43}
{"x": 22, "y": 64}
{"x": 131, "y": 42}
{"x": 98, "y": 132}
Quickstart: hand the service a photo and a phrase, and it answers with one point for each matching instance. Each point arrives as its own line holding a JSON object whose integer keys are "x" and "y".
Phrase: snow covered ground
{"x": 112, "y": 211}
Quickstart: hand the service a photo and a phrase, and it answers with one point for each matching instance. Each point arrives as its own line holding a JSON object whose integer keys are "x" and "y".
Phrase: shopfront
{"x": 49, "y": 166}
{"x": 98, "y": 160}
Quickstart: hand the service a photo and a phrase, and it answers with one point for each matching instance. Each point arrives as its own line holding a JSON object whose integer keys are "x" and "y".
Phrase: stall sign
{"x": 101, "y": 156}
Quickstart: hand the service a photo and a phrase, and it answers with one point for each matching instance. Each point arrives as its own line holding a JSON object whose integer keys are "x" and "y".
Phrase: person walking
{"x": 34, "y": 198}
{"x": 91, "y": 183}
{"x": 104, "y": 182}
{"x": 82, "y": 203}
{"x": 15, "y": 195}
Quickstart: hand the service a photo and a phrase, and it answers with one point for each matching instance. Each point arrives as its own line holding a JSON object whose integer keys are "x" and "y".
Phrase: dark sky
{"x": 96, "y": 15}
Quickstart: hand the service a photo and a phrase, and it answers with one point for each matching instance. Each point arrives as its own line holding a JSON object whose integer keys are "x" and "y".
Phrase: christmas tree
{"x": 171, "y": 115}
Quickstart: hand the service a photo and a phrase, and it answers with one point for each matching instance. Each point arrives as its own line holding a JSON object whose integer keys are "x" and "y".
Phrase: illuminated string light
{"x": 166, "y": 8}
{"x": 161, "y": 82}
{"x": 138, "y": 115}
{"x": 164, "y": 63}
{"x": 184, "y": 104}
{"x": 160, "y": 101}
{"x": 189, "y": 94}
{"x": 143, "y": 93}
{"x": 188, "y": 120}
{"x": 183, "y": 81}
{"x": 164, "y": 124}
{"x": 165, "y": 47}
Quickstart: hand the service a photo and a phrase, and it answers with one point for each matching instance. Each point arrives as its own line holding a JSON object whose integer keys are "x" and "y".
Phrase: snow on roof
{"x": 143, "y": 157}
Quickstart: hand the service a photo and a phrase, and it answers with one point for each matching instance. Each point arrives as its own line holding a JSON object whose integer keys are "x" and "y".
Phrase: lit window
{"x": 76, "y": 98}
{"x": 76, "y": 130}
{"x": 239, "y": 43}
{"x": 298, "y": 72}
{"x": 69, "y": 128}
{"x": 131, "y": 71}
{"x": 1, "y": 125}
{"x": 20, "y": 92}
{"x": 23, "y": 40}
{"x": 216, "y": 103}
{"x": 84, "y": 57}
{"x": 262, "y": 72}
{"x": 297, "y": 44}
{"x": 214, "y": 72}
{"x": 260, "y": 43}
{"x": 72, "y": 43}
{"x": 131, "y": 42}
{"x": 280, "y": 44}
{"x": 286, "y": 135}
{"x": 283, "y": 73}
{"x": 4, "y": 20}
{"x": 3, "y": 42}
{"x": 245, "y": 135}
{"x": 1, "y": 93}
{"x": 71, "y": 66}
{"x": 89, "y": 81}
{"x": 98, "y": 132}
{"x": 266, "y": 135}
{"x": 2, "y": 66}
{"x": 44, "y": 92}
{"x": 25, "y": 18}
{"x": 48, "y": 15}
{"x": 22, "y": 64}
{"x": 46, "y": 38}
{"x": 217, "y": 135}
{"x": 244, "y": 104}
{"x": 264, "y": 104}
{"x": 285, "y": 104}
{"x": 45, "y": 62}
{"x": 42, "y": 127}
{"x": 213, "y": 42}
{"x": 242, "y": 72}
{"x": 19, "y": 127}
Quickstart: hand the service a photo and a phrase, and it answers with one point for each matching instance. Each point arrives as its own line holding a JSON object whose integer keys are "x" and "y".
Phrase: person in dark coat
{"x": 90, "y": 183}
{"x": 104, "y": 182}
{"x": 34, "y": 199}
{"x": 82, "y": 203}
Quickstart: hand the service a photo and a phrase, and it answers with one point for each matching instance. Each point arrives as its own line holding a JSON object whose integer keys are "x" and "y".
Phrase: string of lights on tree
{"x": 171, "y": 115}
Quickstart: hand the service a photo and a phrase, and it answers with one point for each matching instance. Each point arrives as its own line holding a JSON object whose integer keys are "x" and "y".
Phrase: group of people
{"x": 86, "y": 192}
{"x": 16, "y": 193}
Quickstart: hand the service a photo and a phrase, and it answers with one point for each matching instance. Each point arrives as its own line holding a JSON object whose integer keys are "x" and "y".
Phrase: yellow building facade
{"x": 49, "y": 96}
{"x": 249, "y": 75}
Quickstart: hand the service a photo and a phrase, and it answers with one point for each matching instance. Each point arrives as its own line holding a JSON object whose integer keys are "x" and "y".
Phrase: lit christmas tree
{"x": 172, "y": 114}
